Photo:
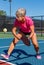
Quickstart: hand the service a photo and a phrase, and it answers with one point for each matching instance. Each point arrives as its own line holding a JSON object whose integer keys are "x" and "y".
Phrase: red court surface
{"x": 5, "y": 63}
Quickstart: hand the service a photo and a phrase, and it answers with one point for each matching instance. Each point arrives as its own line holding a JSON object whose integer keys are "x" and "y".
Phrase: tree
{"x": 2, "y": 13}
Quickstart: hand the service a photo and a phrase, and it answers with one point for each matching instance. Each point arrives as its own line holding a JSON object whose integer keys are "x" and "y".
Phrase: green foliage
{"x": 2, "y": 13}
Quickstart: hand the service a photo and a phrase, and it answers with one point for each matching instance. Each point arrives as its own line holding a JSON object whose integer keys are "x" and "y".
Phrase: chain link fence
{"x": 7, "y": 22}
{"x": 39, "y": 24}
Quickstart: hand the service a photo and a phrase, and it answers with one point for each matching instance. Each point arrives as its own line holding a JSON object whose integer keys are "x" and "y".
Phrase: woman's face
{"x": 21, "y": 19}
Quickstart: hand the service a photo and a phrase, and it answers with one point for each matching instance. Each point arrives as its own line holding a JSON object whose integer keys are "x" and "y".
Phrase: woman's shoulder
{"x": 28, "y": 18}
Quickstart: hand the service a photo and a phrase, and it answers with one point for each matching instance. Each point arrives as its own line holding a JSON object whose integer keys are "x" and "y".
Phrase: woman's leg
{"x": 35, "y": 43}
{"x": 14, "y": 42}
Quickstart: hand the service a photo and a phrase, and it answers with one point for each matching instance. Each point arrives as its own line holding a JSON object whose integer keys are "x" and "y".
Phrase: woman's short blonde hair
{"x": 21, "y": 12}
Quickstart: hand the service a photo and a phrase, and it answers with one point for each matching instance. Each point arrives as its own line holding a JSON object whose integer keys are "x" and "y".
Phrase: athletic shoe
{"x": 38, "y": 56}
{"x": 5, "y": 56}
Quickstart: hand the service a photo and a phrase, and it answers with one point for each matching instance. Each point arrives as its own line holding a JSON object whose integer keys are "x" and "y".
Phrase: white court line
{"x": 17, "y": 45}
{"x": 7, "y": 62}
{"x": 4, "y": 46}
{"x": 6, "y": 38}
{"x": 8, "y": 46}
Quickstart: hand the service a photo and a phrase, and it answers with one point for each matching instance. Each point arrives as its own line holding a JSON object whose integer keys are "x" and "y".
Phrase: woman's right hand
{"x": 18, "y": 36}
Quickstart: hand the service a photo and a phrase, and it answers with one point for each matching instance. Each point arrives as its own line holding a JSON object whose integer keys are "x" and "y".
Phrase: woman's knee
{"x": 34, "y": 38}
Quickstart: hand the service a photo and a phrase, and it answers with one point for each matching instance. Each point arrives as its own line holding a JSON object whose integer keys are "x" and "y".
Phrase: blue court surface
{"x": 22, "y": 54}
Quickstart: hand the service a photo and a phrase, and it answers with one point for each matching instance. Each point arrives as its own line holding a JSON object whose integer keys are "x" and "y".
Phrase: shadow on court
{"x": 19, "y": 56}
{"x": 19, "y": 53}
{"x": 25, "y": 64}
{"x": 23, "y": 56}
